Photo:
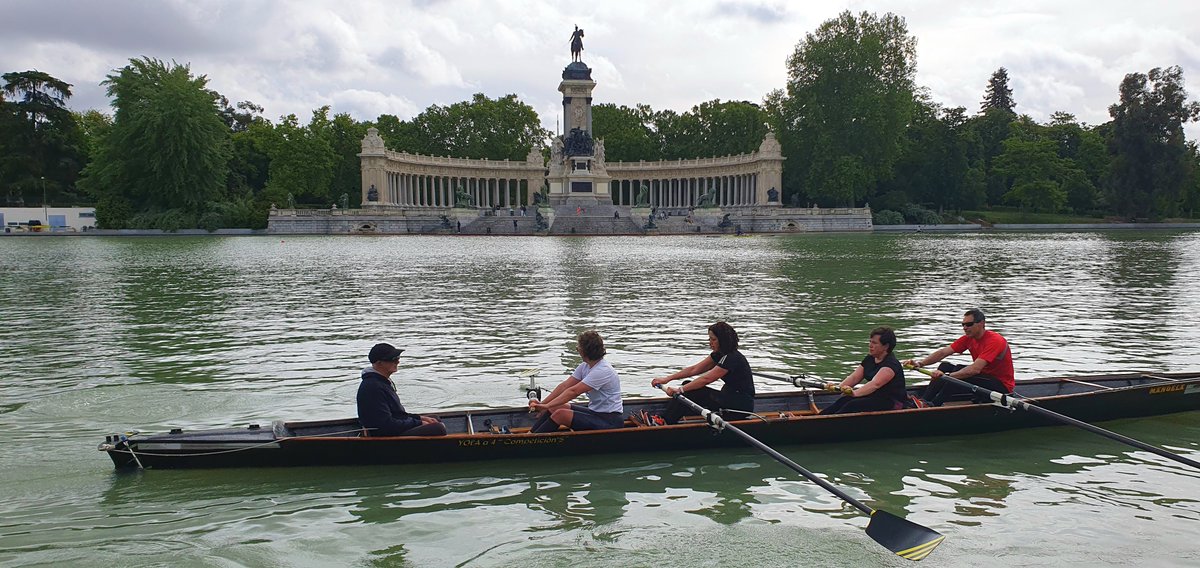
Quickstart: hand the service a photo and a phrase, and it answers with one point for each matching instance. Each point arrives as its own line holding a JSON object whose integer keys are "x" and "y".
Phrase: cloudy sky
{"x": 367, "y": 57}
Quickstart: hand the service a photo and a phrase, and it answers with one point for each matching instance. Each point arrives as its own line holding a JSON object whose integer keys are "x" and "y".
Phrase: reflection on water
{"x": 108, "y": 334}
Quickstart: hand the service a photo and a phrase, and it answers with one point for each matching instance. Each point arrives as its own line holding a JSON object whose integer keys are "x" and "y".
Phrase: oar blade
{"x": 906, "y": 538}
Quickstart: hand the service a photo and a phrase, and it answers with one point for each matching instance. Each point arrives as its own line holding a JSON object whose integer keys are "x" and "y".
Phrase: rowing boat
{"x": 780, "y": 418}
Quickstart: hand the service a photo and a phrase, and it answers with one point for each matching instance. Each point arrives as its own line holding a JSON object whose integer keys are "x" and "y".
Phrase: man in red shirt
{"x": 991, "y": 361}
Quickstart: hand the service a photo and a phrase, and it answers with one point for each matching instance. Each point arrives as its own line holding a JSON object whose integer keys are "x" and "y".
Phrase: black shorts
{"x": 585, "y": 418}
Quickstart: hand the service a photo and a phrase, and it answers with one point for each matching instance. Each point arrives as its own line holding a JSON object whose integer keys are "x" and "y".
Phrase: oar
{"x": 799, "y": 381}
{"x": 906, "y": 538}
{"x": 1008, "y": 401}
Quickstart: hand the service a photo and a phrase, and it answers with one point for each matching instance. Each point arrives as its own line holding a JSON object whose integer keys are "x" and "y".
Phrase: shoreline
{"x": 945, "y": 228}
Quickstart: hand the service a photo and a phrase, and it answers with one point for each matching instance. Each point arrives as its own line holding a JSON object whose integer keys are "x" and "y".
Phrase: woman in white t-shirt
{"x": 595, "y": 378}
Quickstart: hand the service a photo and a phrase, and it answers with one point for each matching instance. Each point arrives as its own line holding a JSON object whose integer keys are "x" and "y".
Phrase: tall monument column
{"x": 576, "y": 159}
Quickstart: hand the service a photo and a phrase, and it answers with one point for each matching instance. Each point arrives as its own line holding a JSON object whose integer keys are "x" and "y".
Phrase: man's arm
{"x": 971, "y": 370}
{"x": 932, "y": 357}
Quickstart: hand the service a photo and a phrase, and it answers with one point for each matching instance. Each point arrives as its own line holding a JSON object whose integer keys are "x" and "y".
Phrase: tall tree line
{"x": 854, "y": 126}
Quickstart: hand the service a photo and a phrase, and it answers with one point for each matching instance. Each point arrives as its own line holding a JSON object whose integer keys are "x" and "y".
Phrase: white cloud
{"x": 367, "y": 57}
{"x": 374, "y": 103}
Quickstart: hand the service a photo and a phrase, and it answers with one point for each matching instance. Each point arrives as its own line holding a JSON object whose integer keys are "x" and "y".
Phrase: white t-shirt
{"x": 605, "y": 395}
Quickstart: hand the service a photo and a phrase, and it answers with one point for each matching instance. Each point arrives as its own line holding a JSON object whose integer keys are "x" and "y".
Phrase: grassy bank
{"x": 994, "y": 217}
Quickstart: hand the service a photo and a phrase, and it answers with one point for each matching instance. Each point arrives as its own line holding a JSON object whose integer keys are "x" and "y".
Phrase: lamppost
{"x": 45, "y": 210}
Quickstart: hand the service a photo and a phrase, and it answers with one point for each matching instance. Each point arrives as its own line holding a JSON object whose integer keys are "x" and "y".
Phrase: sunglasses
{"x": 970, "y": 323}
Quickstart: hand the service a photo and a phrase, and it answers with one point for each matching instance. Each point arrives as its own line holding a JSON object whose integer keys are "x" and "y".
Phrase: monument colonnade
{"x": 400, "y": 179}
{"x": 725, "y": 181}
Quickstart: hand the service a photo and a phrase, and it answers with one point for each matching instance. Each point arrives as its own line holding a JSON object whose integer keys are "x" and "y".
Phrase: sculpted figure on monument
{"x": 462, "y": 198}
{"x": 577, "y": 44}
{"x": 643, "y": 197}
{"x": 556, "y": 151}
{"x": 372, "y": 193}
{"x": 772, "y": 195}
{"x": 707, "y": 200}
{"x": 578, "y": 143}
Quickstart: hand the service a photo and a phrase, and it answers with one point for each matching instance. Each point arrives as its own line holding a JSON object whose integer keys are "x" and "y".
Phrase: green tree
{"x": 1039, "y": 175}
{"x": 1083, "y": 149}
{"x": 94, "y": 126}
{"x": 238, "y": 117}
{"x": 998, "y": 95}
{"x": 627, "y": 133}
{"x": 716, "y": 128}
{"x": 987, "y": 133}
{"x": 249, "y": 163}
{"x": 167, "y": 150}
{"x": 674, "y": 132}
{"x": 496, "y": 129}
{"x": 932, "y": 168}
{"x": 41, "y": 146}
{"x": 849, "y": 99}
{"x": 302, "y": 161}
{"x": 1191, "y": 202}
{"x": 399, "y": 135}
{"x": 1151, "y": 168}
{"x": 345, "y": 137}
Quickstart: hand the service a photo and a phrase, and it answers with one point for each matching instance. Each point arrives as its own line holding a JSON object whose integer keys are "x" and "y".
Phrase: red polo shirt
{"x": 993, "y": 348}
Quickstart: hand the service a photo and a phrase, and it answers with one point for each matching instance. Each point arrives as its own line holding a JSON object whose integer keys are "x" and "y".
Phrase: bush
{"x": 113, "y": 213}
{"x": 170, "y": 220}
{"x": 894, "y": 200}
{"x": 888, "y": 217}
{"x": 920, "y": 216}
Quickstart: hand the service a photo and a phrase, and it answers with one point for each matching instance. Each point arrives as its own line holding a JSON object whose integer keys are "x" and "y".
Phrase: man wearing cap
{"x": 379, "y": 408}
{"x": 991, "y": 361}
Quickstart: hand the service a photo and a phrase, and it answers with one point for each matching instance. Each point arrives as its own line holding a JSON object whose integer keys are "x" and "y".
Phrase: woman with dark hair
{"x": 725, "y": 363}
{"x": 884, "y": 375}
{"x": 595, "y": 378}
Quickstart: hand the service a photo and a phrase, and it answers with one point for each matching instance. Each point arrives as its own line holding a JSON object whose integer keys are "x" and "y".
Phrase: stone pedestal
{"x": 576, "y": 170}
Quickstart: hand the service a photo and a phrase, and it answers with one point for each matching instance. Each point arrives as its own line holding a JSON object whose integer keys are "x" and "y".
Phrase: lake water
{"x": 111, "y": 334}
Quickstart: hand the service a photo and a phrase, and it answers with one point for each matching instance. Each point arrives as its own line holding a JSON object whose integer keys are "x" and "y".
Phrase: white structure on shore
{"x": 15, "y": 219}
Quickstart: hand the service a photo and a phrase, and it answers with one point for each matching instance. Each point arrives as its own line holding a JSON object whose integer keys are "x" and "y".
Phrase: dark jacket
{"x": 379, "y": 408}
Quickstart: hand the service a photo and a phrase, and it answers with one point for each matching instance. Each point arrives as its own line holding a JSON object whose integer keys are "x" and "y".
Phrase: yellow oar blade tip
{"x": 901, "y": 536}
{"x": 919, "y": 552}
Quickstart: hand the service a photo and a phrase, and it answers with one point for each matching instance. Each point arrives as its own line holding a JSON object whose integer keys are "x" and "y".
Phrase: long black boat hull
{"x": 783, "y": 418}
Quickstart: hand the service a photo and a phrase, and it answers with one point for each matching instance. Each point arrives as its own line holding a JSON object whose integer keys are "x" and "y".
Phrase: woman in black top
{"x": 885, "y": 387}
{"x": 725, "y": 363}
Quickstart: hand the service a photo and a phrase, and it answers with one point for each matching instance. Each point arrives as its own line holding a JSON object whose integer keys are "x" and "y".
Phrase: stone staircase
{"x": 501, "y": 225}
{"x": 593, "y": 219}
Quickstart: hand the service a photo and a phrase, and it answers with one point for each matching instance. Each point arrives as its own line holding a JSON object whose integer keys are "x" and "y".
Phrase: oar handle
{"x": 799, "y": 381}
{"x": 719, "y": 423}
{"x": 1008, "y": 401}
